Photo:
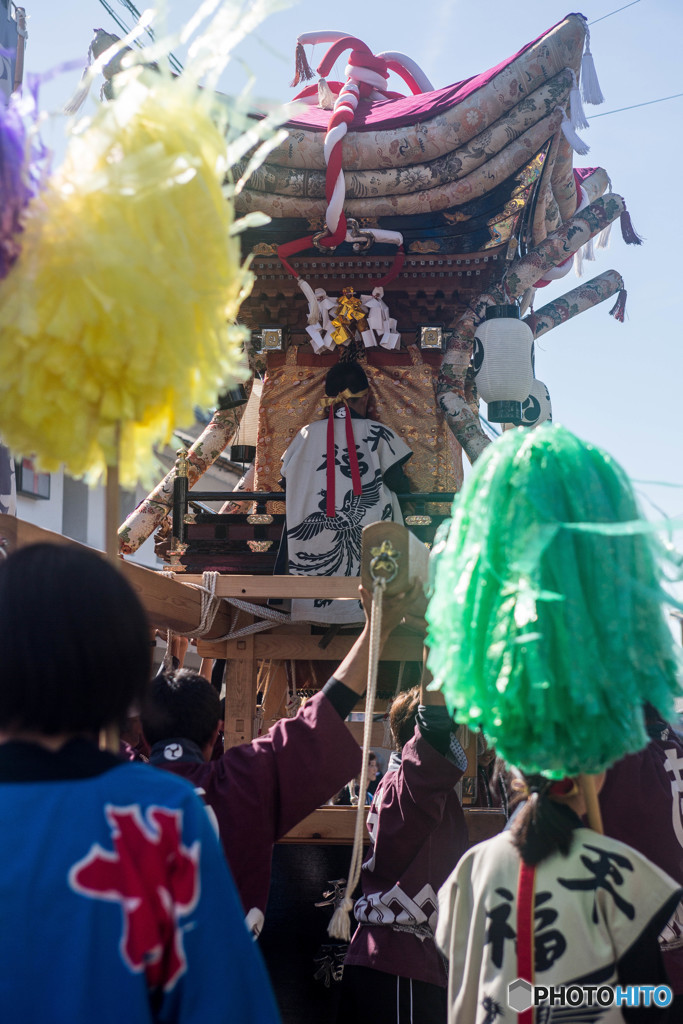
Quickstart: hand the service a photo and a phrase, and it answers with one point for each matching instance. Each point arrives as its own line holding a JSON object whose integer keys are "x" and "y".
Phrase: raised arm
{"x": 353, "y": 670}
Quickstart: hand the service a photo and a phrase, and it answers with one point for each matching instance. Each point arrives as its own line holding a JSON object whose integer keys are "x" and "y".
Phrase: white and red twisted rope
{"x": 366, "y": 78}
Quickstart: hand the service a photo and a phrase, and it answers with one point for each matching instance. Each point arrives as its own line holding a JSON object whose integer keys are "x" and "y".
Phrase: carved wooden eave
{"x": 430, "y": 289}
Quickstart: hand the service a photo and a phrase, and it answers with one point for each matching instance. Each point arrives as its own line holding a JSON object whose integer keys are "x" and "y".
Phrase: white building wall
{"x": 47, "y": 513}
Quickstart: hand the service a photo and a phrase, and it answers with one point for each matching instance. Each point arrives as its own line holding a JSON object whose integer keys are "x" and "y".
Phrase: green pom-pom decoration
{"x": 547, "y": 627}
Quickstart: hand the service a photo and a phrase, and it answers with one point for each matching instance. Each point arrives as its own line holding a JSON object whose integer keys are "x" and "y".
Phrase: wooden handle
{"x": 112, "y": 511}
{"x": 590, "y": 796}
{"x": 391, "y": 551}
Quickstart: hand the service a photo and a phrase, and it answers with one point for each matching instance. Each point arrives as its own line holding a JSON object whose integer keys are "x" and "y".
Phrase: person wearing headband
{"x": 341, "y": 473}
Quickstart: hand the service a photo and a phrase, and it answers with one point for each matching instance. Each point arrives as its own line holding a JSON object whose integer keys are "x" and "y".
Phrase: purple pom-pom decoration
{"x": 15, "y": 183}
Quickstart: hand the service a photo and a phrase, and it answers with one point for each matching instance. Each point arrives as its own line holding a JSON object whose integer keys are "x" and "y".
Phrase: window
{"x": 31, "y": 483}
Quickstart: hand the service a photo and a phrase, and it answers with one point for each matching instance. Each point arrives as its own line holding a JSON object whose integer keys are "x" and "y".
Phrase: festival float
{"x": 413, "y": 232}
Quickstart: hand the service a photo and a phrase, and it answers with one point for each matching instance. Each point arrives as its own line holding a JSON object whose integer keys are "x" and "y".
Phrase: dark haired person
{"x": 260, "y": 790}
{"x": 393, "y": 971}
{"x": 349, "y": 795}
{"x": 341, "y": 473}
{"x": 113, "y": 889}
{"x": 598, "y": 908}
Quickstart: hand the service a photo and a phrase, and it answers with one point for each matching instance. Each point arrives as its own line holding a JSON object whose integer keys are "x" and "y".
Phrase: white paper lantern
{"x": 502, "y": 357}
{"x": 537, "y": 408}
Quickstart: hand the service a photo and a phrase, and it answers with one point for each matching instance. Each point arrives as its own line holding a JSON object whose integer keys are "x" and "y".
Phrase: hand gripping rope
{"x": 340, "y": 925}
{"x": 383, "y": 569}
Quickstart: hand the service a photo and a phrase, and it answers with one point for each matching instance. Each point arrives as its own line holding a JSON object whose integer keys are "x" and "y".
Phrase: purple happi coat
{"x": 641, "y": 803}
{"x": 417, "y": 833}
{"x": 260, "y": 790}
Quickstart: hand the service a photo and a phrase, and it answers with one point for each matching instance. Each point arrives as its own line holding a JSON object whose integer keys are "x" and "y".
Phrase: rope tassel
{"x": 575, "y": 141}
{"x": 302, "y": 69}
{"x": 325, "y": 95}
{"x": 603, "y": 238}
{"x": 576, "y": 112}
{"x": 628, "y": 232}
{"x": 618, "y": 310}
{"x": 590, "y": 86}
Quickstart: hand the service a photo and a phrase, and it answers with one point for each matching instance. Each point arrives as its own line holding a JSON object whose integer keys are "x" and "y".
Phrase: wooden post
{"x": 109, "y": 737}
{"x": 111, "y": 514}
{"x": 469, "y": 779}
{"x": 275, "y": 696}
{"x": 590, "y": 796}
{"x": 240, "y": 692}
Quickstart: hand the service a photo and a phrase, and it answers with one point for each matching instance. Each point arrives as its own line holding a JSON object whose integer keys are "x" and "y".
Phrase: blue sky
{"x": 618, "y": 385}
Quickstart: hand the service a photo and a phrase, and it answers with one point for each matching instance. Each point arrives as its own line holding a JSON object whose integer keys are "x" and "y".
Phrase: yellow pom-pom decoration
{"x": 119, "y": 317}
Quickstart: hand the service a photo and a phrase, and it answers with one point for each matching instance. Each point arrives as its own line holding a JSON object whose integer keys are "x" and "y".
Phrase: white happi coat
{"x": 322, "y": 546}
{"x": 589, "y": 909}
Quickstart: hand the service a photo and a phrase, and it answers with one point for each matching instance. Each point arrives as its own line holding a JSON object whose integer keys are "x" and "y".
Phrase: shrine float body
{"x": 412, "y": 234}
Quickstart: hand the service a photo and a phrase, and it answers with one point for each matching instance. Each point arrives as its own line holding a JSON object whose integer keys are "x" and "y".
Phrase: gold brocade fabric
{"x": 402, "y": 395}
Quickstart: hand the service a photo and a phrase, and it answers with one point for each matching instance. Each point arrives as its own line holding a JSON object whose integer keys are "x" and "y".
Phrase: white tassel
{"x": 527, "y": 300}
{"x": 578, "y": 262}
{"x": 603, "y": 237}
{"x": 73, "y": 105}
{"x": 589, "y": 251}
{"x": 325, "y": 95}
{"x": 590, "y": 86}
{"x": 340, "y": 925}
{"x": 576, "y": 112}
{"x": 577, "y": 143}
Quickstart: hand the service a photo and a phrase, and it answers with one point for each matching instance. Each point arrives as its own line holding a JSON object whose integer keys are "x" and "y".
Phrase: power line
{"x": 173, "y": 61}
{"x": 110, "y": 11}
{"x": 614, "y": 12}
{"x": 633, "y": 106}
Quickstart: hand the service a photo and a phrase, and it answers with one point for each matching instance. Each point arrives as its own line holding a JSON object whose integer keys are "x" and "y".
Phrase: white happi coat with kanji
{"x": 590, "y": 907}
{"x": 321, "y": 545}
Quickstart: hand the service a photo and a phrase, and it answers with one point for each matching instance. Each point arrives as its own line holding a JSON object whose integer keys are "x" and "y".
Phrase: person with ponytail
{"x": 547, "y": 631}
{"x": 597, "y": 908}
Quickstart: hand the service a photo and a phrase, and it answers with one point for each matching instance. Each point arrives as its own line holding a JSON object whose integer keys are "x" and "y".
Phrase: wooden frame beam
{"x": 169, "y": 603}
{"x": 251, "y": 588}
{"x": 296, "y": 646}
{"x": 335, "y": 826}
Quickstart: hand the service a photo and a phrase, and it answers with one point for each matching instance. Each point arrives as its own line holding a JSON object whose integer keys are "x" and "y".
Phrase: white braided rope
{"x": 340, "y": 925}
{"x": 211, "y": 604}
{"x": 268, "y": 617}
